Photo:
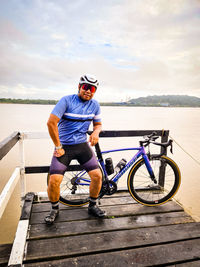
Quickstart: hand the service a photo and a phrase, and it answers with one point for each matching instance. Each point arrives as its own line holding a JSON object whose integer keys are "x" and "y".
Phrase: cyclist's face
{"x": 85, "y": 94}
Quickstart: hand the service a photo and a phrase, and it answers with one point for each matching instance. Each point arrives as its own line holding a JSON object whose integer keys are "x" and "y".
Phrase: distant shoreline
{"x": 150, "y": 101}
{"x": 108, "y": 105}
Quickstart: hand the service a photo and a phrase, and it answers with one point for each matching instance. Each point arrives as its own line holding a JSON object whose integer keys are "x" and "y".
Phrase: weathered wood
{"x": 105, "y": 201}
{"x": 42, "y": 197}
{"x": 45, "y": 169}
{"x": 110, "y": 133}
{"x": 93, "y": 226}
{"x": 110, "y": 241}
{"x": 119, "y": 210}
{"x": 17, "y": 252}
{"x": 5, "y": 250}
{"x": 36, "y": 169}
{"x": 7, "y": 144}
{"x": 74, "y": 262}
{"x": 195, "y": 263}
{"x": 146, "y": 256}
{"x": 126, "y": 133}
{"x": 26, "y": 210}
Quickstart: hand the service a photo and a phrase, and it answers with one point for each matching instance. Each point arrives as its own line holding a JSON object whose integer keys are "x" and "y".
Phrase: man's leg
{"x": 54, "y": 195}
{"x": 95, "y": 187}
{"x": 53, "y": 189}
{"x": 96, "y": 182}
{"x": 57, "y": 170}
{"x": 88, "y": 160}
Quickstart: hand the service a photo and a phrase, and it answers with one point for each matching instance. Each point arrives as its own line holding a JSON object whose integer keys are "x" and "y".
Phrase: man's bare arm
{"x": 53, "y": 132}
{"x": 94, "y": 137}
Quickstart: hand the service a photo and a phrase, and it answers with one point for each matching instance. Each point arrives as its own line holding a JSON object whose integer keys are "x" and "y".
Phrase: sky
{"x": 135, "y": 48}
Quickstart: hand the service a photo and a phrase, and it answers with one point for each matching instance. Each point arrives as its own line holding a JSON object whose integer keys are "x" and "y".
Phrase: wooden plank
{"x": 7, "y": 144}
{"x": 94, "y": 226}
{"x": 17, "y": 252}
{"x": 111, "y": 133}
{"x": 41, "y": 197}
{"x": 8, "y": 189}
{"x": 106, "y": 201}
{"x": 26, "y": 210}
{"x": 63, "y": 262}
{"x": 145, "y": 256}
{"x": 5, "y": 250}
{"x": 195, "y": 263}
{"x": 128, "y": 133}
{"x": 115, "y": 240}
{"x": 36, "y": 169}
{"x": 119, "y": 210}
{"x": 45, "y": 169}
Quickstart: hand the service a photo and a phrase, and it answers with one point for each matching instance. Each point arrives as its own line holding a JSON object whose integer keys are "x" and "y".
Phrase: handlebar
{"x": 150, "y": 139}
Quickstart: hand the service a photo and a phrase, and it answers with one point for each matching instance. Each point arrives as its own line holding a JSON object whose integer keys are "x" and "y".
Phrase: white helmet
{"x": 89, "y": 79}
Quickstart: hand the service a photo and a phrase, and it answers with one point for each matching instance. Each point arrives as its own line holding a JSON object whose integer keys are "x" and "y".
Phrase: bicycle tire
{"x": 144, "y": 190}
{"x": 68, "y": 195}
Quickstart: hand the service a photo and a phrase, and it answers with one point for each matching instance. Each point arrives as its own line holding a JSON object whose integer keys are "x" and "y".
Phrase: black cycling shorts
{"x": 81, "y": 152}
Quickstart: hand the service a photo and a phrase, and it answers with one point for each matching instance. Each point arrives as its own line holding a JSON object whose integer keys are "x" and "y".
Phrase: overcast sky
{"x": 134, "y": 47}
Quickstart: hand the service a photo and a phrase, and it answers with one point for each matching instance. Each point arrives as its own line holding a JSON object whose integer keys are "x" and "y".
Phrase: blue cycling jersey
{"x": 75, "y": 118}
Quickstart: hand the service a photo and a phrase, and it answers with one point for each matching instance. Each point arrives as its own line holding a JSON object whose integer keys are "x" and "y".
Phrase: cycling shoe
{"x": 96, "y": 211}
{"x": 49, "y": 219}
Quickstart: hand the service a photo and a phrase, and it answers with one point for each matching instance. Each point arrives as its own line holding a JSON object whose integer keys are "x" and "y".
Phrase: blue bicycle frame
{"x": 141, "y": 152}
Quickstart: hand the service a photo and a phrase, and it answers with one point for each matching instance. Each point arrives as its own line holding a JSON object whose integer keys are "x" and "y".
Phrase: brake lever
{"x": 153, "y": 138}
{"x": 171, "y": 147}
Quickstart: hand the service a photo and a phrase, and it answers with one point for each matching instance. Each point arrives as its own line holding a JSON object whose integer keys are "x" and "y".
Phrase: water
{"x": 183, "y": 124}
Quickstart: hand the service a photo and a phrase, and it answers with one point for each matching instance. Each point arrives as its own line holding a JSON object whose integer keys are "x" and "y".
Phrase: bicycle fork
{"x": 149, "y": 168}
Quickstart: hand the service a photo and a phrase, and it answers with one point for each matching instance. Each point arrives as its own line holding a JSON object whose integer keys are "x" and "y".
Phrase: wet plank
{"x": 115, "y": 240}
{"x": 5, "y": 250}
{"x": 144, "y": 256}
{"x": 195, "y": 263}
{"x": 116, "y": 211}
{"x": 89, "y": 226}
{"x": 106, "y": 201}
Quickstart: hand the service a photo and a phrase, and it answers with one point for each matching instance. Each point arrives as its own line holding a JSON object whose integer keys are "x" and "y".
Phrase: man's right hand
{"x": 59, "y": 152}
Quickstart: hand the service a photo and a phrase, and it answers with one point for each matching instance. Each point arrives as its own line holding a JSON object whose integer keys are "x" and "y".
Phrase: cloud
{"x": 136, "y": 48}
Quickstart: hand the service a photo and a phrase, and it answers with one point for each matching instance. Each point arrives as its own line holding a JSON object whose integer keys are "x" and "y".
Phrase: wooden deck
{"x": 130, "y": 235}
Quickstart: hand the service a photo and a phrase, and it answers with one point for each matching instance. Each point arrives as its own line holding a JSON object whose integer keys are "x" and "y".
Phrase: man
{"x": 68, "y": 124}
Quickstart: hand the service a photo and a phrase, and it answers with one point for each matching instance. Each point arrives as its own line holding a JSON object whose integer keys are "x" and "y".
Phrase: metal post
{"x": 164, "y": 138}
{"x": 22, "y": 167}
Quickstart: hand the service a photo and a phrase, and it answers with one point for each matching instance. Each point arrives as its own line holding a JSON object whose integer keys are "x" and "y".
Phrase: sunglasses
{"x": 90, "y": 87}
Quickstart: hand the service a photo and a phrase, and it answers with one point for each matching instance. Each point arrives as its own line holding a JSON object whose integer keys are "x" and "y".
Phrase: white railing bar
{"x": 35, "y": 135}
{"x": 8, "y": 189}
{"x": 17, "y": 252}
{"x": 22, "y": 167}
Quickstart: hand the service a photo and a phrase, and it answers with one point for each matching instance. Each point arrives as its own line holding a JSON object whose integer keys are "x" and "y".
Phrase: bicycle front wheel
{"x": 150, "y": 193}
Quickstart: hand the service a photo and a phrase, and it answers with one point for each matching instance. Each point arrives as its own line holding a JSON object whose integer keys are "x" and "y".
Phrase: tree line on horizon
{"x": 162, "y": 100}
{"x": 28, "y": 101}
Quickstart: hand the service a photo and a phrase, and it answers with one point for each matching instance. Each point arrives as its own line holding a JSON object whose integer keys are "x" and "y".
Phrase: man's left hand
{"x": 94, "y": 138}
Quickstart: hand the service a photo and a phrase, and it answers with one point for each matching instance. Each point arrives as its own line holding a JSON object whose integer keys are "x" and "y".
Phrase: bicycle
{"x": 153, "y": 179}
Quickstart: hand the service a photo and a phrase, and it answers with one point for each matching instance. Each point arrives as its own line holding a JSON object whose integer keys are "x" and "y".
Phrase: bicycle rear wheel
{"x": 144, "y": 190}
{"x": 74, "y": 189}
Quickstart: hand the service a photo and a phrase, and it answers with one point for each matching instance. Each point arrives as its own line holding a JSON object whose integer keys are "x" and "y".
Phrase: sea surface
{"x": 183, "y": 124}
